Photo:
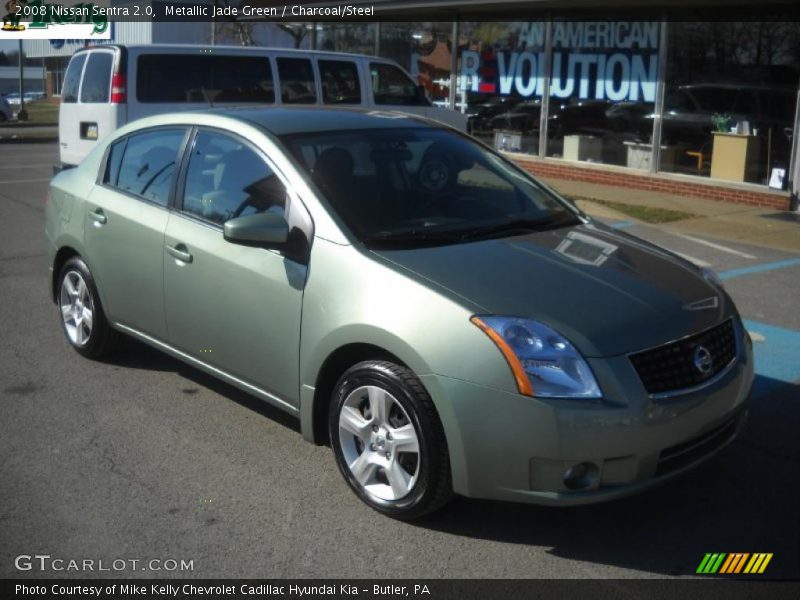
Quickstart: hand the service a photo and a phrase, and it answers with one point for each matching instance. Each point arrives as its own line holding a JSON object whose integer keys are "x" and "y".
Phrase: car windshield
{"x": 423, "y": 186}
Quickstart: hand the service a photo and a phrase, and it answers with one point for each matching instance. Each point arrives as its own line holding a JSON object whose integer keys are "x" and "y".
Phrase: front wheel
{"x": 388, "y": 441}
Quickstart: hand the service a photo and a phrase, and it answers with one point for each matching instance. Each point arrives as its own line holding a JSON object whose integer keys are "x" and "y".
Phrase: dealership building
{"x": 643, "y": 99}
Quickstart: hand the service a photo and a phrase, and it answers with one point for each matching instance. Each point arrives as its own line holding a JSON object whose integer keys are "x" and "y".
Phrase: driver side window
{"x": 227, "y": 179}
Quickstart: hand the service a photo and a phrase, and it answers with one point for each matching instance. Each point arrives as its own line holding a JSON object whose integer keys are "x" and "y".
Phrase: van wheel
{"x": 388, "y": 441}
{"x": 82, "y": 317}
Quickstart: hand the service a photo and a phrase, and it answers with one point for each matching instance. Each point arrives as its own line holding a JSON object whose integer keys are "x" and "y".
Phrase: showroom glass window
{"x": 500, "y": 84}
{"x": 603, "y": 91}
{"x": 358, "y": 38}
{"x": 730, "y": 99}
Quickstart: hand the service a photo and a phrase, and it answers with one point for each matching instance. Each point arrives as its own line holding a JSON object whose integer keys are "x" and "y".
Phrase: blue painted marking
{"x": 781, "y": 264}
{"x": 623, "y": 224}
{"x": 777, "y": 358}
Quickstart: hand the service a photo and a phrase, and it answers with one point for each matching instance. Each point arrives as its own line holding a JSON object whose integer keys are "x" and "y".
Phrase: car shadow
{"x": 742, "y": 500}
{"x": 133, "y": 354}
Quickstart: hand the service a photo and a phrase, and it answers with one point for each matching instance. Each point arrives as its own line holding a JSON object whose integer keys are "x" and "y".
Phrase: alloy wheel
{"x": 77, "y": 308}
{"x": 379, "y": 443}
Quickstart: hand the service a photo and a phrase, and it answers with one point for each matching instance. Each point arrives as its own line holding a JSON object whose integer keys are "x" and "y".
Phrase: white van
{"x": 107, "y": 86}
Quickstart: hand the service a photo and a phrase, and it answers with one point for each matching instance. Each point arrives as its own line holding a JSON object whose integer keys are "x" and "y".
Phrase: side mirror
{"x": 266, "y": 229}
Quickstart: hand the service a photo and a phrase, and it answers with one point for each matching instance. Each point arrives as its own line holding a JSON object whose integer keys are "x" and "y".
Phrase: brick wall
{"x": 659, "y": 183}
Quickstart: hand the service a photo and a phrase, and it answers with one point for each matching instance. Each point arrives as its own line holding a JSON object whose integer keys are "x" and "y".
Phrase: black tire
{"x": 101, "y": 338}
{"x": 433, "y": 486}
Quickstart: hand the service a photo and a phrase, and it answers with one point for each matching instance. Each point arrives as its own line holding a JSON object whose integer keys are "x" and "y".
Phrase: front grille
{"x": 672, "y": 367}
{"x": 680, "y": 455}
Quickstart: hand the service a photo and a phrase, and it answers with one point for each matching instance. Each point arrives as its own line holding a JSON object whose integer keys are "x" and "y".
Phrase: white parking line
{"x": 716, "y": 246}
{"x": 692, "y": 259}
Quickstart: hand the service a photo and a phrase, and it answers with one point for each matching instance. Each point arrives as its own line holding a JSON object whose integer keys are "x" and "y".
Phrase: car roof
{"x": 285, "y": 120}
{"x": 227, "y": 49}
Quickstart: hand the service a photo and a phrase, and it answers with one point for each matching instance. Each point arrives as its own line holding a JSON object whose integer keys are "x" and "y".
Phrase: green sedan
{"x": 444, "y": 321}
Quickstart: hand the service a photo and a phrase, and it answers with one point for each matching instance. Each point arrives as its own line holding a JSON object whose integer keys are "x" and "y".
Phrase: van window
{"x": 97, "y": 78}
{"x": 181, "y": 78}
{"x": 297, "y": 81}
{"x": 228, "y": 179}
{"x": 72, "y": 80}
{"x": 340, "y": 84}
{"x": 391, "y": 86}
{"x": 148, "y": 164}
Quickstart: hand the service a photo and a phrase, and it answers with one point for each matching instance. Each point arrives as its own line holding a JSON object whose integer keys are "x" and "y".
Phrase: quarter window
{"x": 227, "y": 179}
{"x": 297, "y": 81}
{"x": 340, "y": 84}
{"x": 72, "y": 80}
{"x": 97, "y": 78}
{"x": 114, "y": 162}
{"x": 147, "y": 166}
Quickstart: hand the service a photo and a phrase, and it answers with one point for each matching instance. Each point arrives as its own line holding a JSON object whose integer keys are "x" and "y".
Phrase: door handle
{"x": 98, "y": 216}
{"x": 180, "y": 252}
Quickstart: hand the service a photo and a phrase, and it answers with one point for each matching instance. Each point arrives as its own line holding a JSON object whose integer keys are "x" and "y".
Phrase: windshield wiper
{"x": 518, "y": 227}
{"x": 410, "y": 238}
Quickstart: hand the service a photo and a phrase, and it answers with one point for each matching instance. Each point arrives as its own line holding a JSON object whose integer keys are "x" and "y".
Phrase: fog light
{"x": 581, "y": 476}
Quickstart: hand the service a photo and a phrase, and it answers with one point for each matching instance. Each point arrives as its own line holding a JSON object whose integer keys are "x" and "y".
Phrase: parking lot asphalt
{"x": 141, "y": 457}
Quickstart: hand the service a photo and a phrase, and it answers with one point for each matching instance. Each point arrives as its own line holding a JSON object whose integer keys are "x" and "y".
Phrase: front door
{"x": 234, "y": 307}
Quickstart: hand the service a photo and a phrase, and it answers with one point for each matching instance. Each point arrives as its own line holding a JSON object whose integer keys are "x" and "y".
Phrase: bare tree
{"x": 298, "y": 32}
{"x": 233, "y": 31}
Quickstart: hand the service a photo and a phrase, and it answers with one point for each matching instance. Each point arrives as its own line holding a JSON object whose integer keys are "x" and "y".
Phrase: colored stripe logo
{"x": 734, "y": 563}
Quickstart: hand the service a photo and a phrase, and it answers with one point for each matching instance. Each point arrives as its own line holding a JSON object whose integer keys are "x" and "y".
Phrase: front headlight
{"x": 544, "y": 363}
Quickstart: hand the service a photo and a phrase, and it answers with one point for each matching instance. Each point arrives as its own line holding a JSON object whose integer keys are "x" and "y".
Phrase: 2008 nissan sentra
{"x": 444, "y": 321}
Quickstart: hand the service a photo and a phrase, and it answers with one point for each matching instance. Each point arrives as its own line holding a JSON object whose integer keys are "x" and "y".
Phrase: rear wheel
{"x": 388, "y": 441}
{"x": 82, "y": 317}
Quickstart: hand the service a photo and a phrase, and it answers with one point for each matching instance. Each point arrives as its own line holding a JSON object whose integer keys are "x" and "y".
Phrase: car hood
{"x": 606, "y": 291}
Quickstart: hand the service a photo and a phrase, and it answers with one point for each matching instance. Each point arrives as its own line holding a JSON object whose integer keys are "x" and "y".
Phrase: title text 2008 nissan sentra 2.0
{"x": 444, "y": 321}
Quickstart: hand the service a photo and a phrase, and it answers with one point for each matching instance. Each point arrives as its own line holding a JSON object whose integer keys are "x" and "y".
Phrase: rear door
{"x": 69, "y": 111}
{"x": 87, "y": 114}
{"x": 126, "y": 217}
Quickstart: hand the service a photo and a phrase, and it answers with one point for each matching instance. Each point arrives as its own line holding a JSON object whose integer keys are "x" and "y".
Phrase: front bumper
{"x": 506, "y": 446}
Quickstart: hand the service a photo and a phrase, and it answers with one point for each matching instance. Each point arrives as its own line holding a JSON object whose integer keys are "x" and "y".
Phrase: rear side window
{"x": 340, "y": 84}
{"x": 181, "y": 78}
{"x": 72, "y": 80}
{"x": 297, "y": 81}
{"x": 391, "y": 86}
{"x": 147, "y": 166}
{"x": 97, "y": 78}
